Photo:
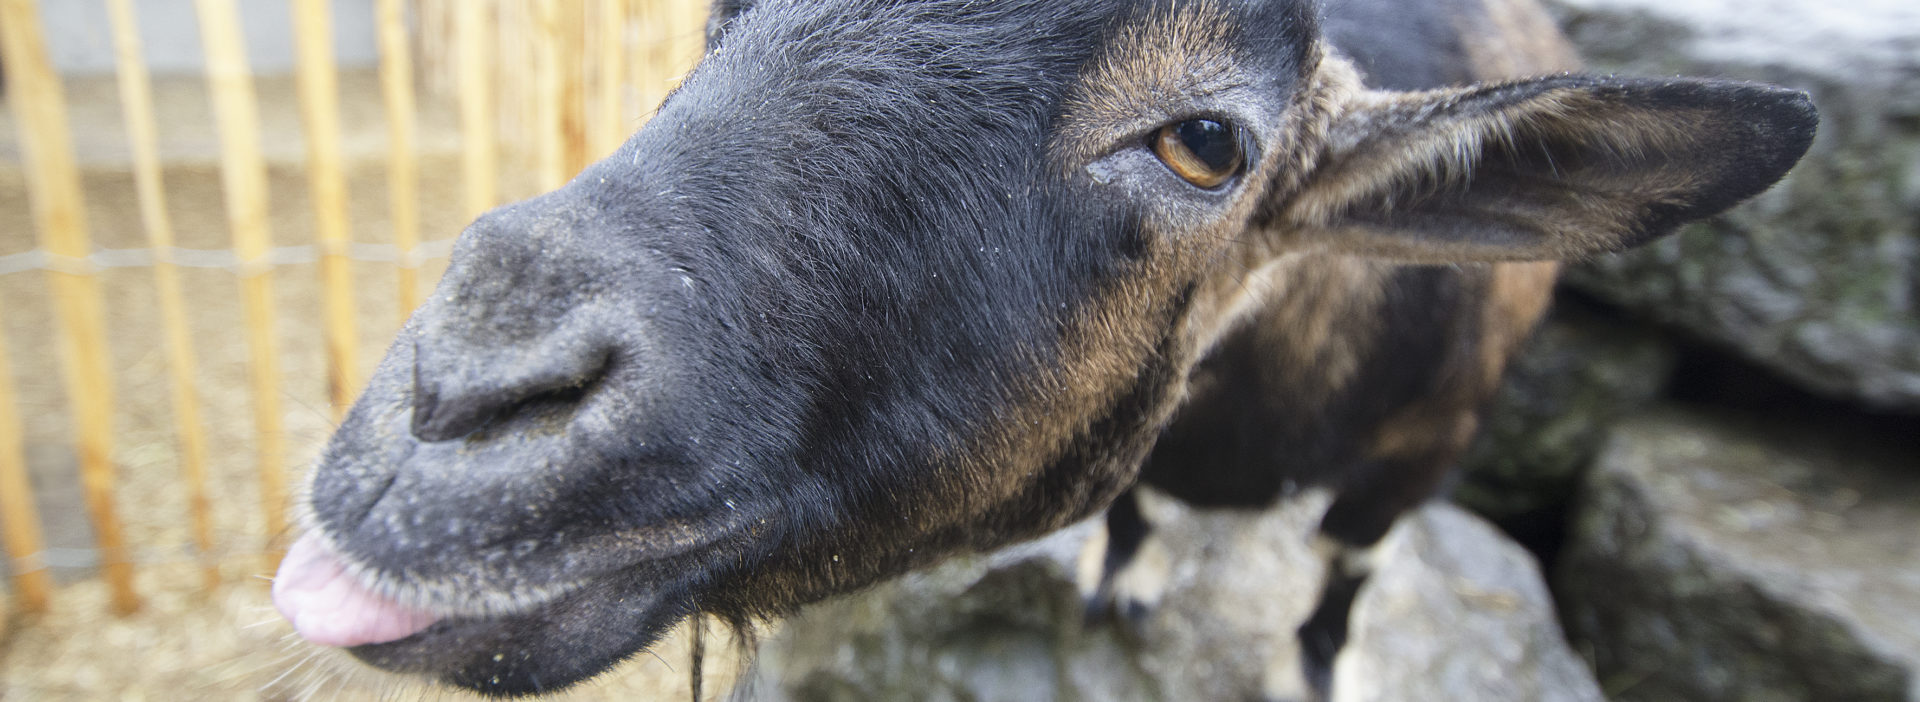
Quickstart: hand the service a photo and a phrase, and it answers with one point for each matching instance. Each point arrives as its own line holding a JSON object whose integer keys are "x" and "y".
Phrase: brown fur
{"x": 1294, "y": 288}
{"x": 1371, "y": 167}
{"x": 1516, "y": 298}
{"x": 1156, "y": 67}
{"x": 1316, "y": 312}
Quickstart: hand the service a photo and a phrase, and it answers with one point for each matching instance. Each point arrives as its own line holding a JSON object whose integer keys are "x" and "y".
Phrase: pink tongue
{"x": 328, "y": 606}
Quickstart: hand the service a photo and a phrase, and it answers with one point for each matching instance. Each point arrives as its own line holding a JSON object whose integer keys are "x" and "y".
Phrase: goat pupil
{"x": 1210, "y": 142}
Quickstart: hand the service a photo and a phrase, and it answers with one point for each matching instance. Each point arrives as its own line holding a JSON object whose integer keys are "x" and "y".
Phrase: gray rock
{"x": 1458, "y": 613}
{"x": 1579, "y": 374}
{"x": 1455, "y": 612}
{"x": 1713, "y": 560}
{"x": 1817, "y": 278}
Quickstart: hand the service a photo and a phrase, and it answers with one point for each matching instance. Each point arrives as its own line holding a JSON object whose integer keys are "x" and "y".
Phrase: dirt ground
{"x": 188, "y": 642}
{"x": 228, "y": 644}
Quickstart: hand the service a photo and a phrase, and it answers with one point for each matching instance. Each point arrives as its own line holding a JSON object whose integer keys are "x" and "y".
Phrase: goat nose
{"x": 461, "y": 387}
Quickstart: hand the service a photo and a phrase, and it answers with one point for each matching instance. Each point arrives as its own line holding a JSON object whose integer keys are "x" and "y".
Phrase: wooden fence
{"x": 539, "y": 86}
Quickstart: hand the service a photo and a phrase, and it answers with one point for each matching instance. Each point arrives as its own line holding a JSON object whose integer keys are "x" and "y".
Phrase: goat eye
{"x": 1202, "y": 151}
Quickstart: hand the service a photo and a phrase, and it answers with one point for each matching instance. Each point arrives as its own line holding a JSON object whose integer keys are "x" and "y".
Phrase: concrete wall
{"x": 81, "y": 40}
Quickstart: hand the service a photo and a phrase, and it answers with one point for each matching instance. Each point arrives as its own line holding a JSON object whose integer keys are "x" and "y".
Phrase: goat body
{"x": 1359, "y": 373}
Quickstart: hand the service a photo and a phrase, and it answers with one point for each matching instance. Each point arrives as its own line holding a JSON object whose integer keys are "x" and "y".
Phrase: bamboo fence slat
{"x": 403, "y": 179}
{"x": 320, "y": 114}
{"x": 244, "y": 177}
{"x": 672, "y": 35}
{"x": 136, "y": 99}
{"x": 38, "y": 103}
{"x": 647, "y": 83}
{"x": 550, "y": 95}
{"x": 686, "y": 39}
{"x": 480, "y": 154}
{"x": 518, "y": 67}
{"x": 570, "y": 46}
{"x": 611, "y": 125}
{"x": 556, "y": 82}
{"x": 19, "y": 519}
{"x": 439, "y": 36}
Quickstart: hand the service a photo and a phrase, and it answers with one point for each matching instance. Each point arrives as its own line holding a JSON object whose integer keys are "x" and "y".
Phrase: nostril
{"x": 463, "y": 394}
{"x": 439, "y": 418}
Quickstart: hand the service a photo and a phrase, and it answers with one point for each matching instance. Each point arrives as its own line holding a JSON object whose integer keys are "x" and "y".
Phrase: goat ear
{"x": 1549, "y": 168}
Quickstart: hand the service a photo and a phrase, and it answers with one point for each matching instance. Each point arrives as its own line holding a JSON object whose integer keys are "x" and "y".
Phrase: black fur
{"x": 814, "y": 326}
{"x": 809, "y": 278}
{"x": 1258, "y": 439}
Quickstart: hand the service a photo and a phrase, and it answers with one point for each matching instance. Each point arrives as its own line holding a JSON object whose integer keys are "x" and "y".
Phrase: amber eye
{"x": 1202, "y": 151}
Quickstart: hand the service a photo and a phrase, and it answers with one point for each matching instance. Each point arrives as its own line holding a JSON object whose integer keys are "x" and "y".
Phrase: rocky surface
{"x": 1458, "y": 613}
{"x": 1715, "y": 560}
{"x": 1580, "y": 373}
{"x": 1455, "y": 612}
{"x": 1819, "y": 278}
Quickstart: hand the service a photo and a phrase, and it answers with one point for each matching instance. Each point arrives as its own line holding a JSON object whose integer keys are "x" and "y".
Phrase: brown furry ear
{"x": 1549, "y": 168}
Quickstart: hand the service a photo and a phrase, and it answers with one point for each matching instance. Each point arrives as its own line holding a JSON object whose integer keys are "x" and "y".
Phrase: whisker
{"x": 325, "y": 417}
{"x": 663, "y": 661}
{"x": 270, "y": 685}
{"x": 289, "y": 671}
{"x": 258, "y": 624}
{"x": 307, "y": 694}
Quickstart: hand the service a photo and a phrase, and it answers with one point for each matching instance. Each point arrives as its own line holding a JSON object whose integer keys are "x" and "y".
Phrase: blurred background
{"x": 214, "y": 216}
{"x": 1702, "y": 481}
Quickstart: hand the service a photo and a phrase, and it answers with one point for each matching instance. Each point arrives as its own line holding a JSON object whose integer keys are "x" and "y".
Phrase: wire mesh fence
{"x": 196, "y": 272}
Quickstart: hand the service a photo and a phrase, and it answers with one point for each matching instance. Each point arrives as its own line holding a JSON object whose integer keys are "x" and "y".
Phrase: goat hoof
{"x": 1129, "y": 593}
{"x": 1135, "y": 612}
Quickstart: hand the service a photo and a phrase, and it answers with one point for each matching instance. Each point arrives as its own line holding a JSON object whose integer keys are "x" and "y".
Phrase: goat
{"x": 888, "y": 280}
